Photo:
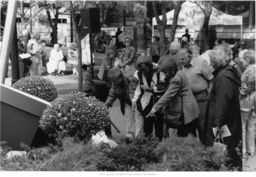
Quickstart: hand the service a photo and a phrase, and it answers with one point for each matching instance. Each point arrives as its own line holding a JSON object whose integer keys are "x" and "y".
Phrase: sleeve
{"x": 224, "y": 94}
{"x": 131, "y": 56}
{"x": 111, "y": 97}
{"x": 138, "y": 89}
{"x": 172, "y": 91}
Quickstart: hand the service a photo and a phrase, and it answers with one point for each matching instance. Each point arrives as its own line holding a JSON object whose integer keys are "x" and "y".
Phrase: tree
{"x": 206, "y": 8}
{"x": 161, "y": 23}
{"x": 177, "y": 8}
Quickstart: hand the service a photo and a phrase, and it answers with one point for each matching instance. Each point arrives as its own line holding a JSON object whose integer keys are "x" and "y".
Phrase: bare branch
{"x": 155, "y": 12}
{"x": 203, "y": 10}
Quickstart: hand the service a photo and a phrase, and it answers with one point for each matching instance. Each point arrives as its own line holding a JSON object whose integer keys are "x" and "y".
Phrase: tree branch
{"x": 155, "y": 12}
{"x": 202, "y": 9}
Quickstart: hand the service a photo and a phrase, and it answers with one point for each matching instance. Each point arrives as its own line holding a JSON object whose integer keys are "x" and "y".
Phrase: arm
{"x": 171, "y": 92}
{"x": 111, "y": 97}
{"x": 223, "y": 98}
{"x": 131, "y": 57}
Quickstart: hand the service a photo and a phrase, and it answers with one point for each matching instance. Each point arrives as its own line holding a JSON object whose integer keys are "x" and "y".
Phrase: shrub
{"x": 74, "y": 115}
{"x": 37, "y": 86}
{"x": 129, "y": 157}
{"x": 188, "y": 154}
{"x": 75, "y": 156}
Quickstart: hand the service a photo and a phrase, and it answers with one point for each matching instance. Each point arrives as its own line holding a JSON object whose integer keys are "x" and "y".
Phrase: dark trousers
{"x": 187, "y": 129}
{"x": 201, "y": 99}
{"x": 155, "y": 123}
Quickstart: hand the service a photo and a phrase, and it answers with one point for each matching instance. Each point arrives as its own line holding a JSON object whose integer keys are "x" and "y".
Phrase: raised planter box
{"x": 20, "y": 114}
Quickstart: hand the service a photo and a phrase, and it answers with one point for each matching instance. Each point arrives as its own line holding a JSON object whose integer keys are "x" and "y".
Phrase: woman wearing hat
{"x": 178, "y": 97}
{"x": 145, "y": 96}
{"x": 127, "y": 58}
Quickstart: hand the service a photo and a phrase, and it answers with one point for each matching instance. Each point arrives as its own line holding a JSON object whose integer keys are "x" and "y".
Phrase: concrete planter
{"x": 20, "y": 114}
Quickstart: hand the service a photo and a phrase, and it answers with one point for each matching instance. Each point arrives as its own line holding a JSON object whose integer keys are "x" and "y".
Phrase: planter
{"x": 20, "y": 114}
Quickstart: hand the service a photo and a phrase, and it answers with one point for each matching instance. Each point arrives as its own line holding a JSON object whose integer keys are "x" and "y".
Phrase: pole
{"x": 15, "y": 57}
{"x": 90, "y": 40}
{"x": 8, "y": 34}
{"x": 71, "y": 28}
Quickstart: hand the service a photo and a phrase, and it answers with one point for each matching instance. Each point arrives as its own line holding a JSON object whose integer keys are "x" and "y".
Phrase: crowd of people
{"x": 36, "y": 62}
{"x": 182, "y": 92}
{"x": 170, "y": 90}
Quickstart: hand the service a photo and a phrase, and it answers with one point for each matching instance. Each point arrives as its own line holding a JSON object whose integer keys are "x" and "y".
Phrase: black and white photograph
{"x": 127, "y": 87}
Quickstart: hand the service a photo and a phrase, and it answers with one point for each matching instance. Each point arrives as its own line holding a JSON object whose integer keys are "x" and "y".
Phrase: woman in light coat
{"x": 171, "y": 100}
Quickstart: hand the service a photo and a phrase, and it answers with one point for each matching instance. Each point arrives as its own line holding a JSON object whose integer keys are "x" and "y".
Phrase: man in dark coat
{"x": 223, "y": 105}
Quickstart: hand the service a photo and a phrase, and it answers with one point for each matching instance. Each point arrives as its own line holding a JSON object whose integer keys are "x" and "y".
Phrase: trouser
{"x": 144, "y": 126}
{"x": 201, "y": 99}
{"x": 248, "y": 132}
{"x": 187, "y": 129}
{"x": 130, "y": 121}
{"x": 35, "y": 68}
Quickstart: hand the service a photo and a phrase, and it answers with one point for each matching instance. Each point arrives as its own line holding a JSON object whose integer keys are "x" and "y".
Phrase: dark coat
{"x": 121, "y": 93}
{"x": 172, "y": 98}
{"x": 223, "y": 106}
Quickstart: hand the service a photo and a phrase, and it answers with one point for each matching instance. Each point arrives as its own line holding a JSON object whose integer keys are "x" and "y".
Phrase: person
{"x": 120, "y": 90}
{"x": 184, "y": 42}
{"x": 177, "y": 98}
{"x": 42, "y": 56}
{"x": 235, "y": 50}
{"x": 73, "y": 57}
{"x": 55, "y": 64}
{"x": 155, "y": 49}
{"x": 144, "y": 97}
{"x": 242, "y": 49}
{"x": 25, "y": 58}
{"x": 32, "y": 49}
{"x": 199, "y": 73}
{"x": 223, "y": 109}
{"x": 127, "y": 58}
{"x": 118, "y": 44}
{"x": 187, "y": 35}
{"x": 248, "y": 103}
{"x": 107, "y": 64}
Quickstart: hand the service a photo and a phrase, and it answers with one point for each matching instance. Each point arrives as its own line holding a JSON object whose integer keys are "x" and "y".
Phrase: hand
{"x": 151, "y": 113}
{"x": 133, "y": 105}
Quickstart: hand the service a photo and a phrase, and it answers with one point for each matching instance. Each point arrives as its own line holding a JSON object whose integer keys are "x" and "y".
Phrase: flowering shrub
{"x": 74, "y": 115}
{"x": 37, "y": 86}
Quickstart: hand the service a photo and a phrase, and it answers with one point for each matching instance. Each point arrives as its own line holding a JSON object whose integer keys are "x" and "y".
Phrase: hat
{"x": 174, "y": 46}
{"x": 168, "y": 63}
{"x": 144, "y": 59}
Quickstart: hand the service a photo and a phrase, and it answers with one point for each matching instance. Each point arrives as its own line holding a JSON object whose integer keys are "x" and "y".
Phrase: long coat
{"x": 179, "y": 88}
{"x": 223, "y": 106}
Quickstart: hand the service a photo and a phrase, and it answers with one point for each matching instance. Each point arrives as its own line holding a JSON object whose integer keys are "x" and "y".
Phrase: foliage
{"x": 188, "y": 154}
{"x": 129, "y": 157}
{"x": 74, "y": 115}
{"x": 74, "y": 157}
{"x": 37, "y": 86}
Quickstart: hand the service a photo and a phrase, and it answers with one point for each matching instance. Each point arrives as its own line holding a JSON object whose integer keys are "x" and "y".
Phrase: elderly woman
{"x": 145, "y": 96}
{"x": 120, "y": 90}
{"x": 55, "y": 64}
{"x": 127, "y": 58}
{"x": 248, "y": 103}
{"x": 178, "y": 99}
{"x": 223, "y": 110}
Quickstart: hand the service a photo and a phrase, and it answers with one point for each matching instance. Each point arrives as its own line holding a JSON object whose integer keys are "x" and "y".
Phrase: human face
{"x": 247, "y": 88}
{"x": 127, "y": 42}
{"x": 185, "y": 58}
{"x": 244, "y": 62}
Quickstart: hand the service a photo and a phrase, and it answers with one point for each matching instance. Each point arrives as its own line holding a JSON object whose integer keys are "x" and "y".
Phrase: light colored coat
{"x": 171, "y": 100}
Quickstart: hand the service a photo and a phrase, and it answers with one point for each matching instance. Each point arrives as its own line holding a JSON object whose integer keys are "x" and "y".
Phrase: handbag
{"x": 219, "y": 143}
{"x": 175, "y": 120}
